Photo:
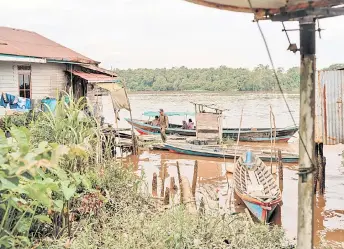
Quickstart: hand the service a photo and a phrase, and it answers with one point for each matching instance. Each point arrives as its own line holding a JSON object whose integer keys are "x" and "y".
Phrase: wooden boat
{"x": 246, "y": 134}
{"x": 255, "y": 186}
{"x": 217, "y": 151}
{"x": 230, "y": 167}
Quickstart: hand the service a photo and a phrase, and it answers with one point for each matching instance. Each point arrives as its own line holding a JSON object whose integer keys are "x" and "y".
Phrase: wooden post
{"x": 155, "y": 185}
{"x": 135, "y": 146}
{"x": 305, "y": 229}
{"x": 188, "y": 200}
{"x": 280, "y": 165}
{"x": 194, "y": 180}
{"x": 172, "y": 184}
{"x": 280, "y": 170}
{"x": 167, "y": 196}
{"x": 173, "y": 188}
{"x": 316, "y": 173}
{"x": 322, "y": 175}
{"x": 162, "y": 180}
{"x": 180, "y": 183}
{"x": 273, "y": 135}
{"x": 238, "y": 138}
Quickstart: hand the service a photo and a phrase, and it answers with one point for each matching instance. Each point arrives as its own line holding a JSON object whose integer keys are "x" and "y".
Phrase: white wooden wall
{"x": 46, "y": 79}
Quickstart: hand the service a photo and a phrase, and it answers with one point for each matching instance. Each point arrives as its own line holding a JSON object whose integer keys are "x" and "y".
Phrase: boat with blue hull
{"x": 256, "y": 187}
{"x": 230, "y": 153}
{"x": 246, "y": 134}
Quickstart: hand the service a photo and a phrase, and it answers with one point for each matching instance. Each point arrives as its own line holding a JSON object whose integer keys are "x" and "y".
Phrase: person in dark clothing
{"x": 163, "y": 121}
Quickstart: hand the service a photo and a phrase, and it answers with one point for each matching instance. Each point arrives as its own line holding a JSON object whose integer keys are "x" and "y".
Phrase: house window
{"x": 24, "y": 76}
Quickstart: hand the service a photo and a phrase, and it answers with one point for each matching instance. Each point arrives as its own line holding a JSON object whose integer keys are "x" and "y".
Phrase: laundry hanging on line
{"x": 14, "y": 102}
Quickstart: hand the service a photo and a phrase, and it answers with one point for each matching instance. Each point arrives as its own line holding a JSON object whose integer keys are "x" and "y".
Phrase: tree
{"x": 223, "y": 78}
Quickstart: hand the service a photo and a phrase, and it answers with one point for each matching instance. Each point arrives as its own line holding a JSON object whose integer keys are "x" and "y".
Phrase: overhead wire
{"x": 277, "y": 79}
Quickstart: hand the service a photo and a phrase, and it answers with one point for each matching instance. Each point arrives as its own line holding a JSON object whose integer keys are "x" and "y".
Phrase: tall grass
{"x": 70, "y": 124}
{"x": 132, "y": 220}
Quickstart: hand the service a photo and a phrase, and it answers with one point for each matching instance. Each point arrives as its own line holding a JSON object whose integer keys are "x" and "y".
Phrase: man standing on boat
{"x": 163, "y": 120}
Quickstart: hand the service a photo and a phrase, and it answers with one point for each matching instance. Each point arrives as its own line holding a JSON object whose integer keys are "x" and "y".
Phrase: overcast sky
{"x": 164, "y": 33}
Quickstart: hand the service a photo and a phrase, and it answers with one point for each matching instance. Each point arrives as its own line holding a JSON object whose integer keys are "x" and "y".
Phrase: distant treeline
{"x": 222, "y": 78}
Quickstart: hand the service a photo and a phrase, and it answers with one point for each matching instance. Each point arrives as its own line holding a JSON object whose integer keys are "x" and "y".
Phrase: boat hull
{"x": 255, "y": 185}
{"x": 260, "y": 212}
{"x": 246, "y": 134}
{"x": 194, "y": 152}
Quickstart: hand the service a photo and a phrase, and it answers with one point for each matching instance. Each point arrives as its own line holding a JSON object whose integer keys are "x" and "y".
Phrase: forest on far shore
{"x": 223, "y": 78}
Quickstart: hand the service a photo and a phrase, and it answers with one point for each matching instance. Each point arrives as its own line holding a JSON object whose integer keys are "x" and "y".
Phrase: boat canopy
{"x": 153, "y": 114}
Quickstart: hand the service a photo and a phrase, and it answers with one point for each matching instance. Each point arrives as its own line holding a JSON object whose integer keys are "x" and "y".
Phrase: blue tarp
{"x": 153, "y": 114}
{"x": 51, "y": 103}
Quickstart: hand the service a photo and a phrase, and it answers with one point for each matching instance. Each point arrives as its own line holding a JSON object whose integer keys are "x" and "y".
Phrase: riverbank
{"x": 61, "y": 190}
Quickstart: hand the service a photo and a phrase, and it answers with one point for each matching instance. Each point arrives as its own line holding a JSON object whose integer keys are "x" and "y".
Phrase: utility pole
{"x": 305, "y": 12}
{"x": 306, "y": 131}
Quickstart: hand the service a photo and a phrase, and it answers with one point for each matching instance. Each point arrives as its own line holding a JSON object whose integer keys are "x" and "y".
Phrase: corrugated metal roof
{"x": 261, "y": 7}
{"x": 99, "y": 69}
{"x": 329, "y": 106}
{"x": 27, "y": 43}
{"x": 95, "y": 77}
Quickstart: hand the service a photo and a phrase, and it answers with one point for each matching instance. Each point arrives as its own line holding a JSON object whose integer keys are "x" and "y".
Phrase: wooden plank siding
{"x": 209, "y": 126}
{"x": 46, "y": 79}
{"x": 9, "y": 78}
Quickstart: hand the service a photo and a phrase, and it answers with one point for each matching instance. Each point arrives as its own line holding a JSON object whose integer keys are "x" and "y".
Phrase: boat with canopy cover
{"x": 145, "y": 127}
{"x": 153, "y": 114}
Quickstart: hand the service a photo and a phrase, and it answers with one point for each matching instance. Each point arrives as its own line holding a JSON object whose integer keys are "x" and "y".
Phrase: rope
{"x": 277, "y": 79}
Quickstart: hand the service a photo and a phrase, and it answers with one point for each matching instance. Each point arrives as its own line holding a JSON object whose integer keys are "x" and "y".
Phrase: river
{"x": 328, "y": 210}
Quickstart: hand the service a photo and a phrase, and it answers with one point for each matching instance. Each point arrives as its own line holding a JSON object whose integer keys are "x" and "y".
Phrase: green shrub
{"x": 132, "y": 220}
{"x": 69, "y": 125}
{"x": 31, "y": 186}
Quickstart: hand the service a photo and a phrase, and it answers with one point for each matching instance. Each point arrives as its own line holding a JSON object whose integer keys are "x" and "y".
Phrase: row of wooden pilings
{"x": 187, "y": 192}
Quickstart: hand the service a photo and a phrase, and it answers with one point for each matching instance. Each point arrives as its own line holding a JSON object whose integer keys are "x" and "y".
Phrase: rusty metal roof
{"x": 95, "y": 77}
{"x": 26, "y": 43}
{"x": 264, "y": 7}
{"x": 101, "y": 70}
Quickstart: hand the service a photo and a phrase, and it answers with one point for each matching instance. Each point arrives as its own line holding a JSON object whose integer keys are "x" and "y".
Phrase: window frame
{"x": 22, "y": 73}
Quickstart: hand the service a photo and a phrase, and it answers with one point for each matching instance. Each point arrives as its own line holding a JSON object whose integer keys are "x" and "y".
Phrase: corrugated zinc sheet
{"x": 329, "y": 107}
{"x": 95, "y": 77}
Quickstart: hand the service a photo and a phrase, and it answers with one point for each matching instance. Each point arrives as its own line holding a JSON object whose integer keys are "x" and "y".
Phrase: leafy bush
{"x": 17, "y": 119}
{"x": 32, "y": 185}
{"x": 133, "y": 220}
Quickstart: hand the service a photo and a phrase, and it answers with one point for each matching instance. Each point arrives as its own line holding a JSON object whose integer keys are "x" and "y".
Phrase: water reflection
{"x": 329, "y": 217}
{"x": 328, "y": 211}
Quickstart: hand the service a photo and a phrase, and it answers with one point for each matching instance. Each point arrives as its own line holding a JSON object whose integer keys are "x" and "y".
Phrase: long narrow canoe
{"x": 256, "y": 187}
{"x": 218, "y": 152}
{"x": 246, "y": 134}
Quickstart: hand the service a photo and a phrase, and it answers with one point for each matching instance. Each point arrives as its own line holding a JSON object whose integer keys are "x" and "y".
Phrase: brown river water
{"x": 328, "y": 209}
